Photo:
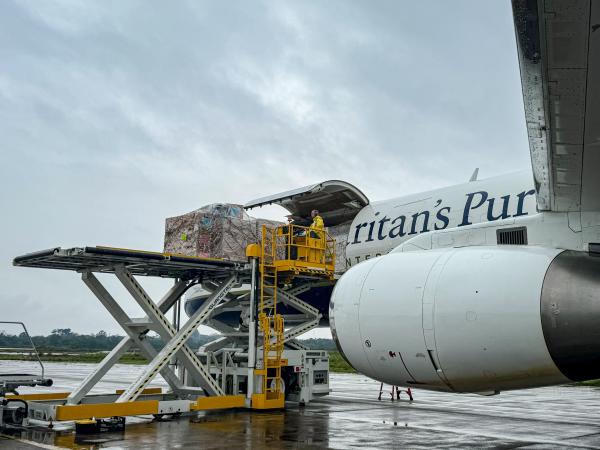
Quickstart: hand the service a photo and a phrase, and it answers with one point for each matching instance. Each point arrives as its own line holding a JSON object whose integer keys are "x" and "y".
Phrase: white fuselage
{"x": 382, "y": 226}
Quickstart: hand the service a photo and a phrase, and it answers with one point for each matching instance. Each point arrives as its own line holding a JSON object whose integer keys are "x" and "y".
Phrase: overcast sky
{"x": 117, "y": 114}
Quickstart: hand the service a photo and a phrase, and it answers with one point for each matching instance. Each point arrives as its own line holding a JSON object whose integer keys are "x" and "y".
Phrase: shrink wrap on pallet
{"x": 219, "y": 231}
{"x": 340, "y": 234}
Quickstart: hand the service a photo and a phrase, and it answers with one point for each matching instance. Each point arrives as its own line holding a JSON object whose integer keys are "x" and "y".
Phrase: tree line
{"x": 65, "y": 340}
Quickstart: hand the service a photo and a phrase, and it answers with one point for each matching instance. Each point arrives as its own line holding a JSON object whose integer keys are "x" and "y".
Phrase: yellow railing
{"x": 268, "y": 274}
{"x": 288, "y": 250}
{"x": 297, "y": 243}
{"x": 273, "y": 328}
{"x": 271, "y": 324}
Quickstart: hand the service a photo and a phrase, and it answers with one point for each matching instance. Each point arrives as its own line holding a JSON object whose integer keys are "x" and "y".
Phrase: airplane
{"x": 493, "y": 284}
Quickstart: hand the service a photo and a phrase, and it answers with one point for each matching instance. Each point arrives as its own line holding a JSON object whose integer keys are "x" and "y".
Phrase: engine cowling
{"x": 472, "y": 319}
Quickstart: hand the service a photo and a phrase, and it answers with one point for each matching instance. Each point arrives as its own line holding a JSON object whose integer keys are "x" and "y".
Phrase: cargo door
{"x": 337, "y": 202}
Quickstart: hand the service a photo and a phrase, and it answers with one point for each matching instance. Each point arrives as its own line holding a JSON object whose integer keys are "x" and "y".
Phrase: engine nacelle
{"x": 472, "y": 319}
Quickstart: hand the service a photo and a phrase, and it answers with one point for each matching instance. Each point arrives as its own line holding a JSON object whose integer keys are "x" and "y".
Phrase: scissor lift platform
{"x": 126, "y": 264}
{"x": 194, "y": 384}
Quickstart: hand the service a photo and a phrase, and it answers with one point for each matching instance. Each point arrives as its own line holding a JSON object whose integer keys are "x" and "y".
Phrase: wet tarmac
{"x": 352, "y": 417}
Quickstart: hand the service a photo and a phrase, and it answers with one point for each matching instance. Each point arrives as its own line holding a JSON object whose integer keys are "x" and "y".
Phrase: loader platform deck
{"x": 137, "y": 262}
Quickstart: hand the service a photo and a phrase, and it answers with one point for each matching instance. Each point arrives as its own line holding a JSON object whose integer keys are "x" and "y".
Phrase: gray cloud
{"x": 115, "y": 115}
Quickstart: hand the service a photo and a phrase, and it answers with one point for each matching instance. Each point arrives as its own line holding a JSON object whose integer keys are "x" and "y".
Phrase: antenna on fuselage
{"x": 474, "y": 176}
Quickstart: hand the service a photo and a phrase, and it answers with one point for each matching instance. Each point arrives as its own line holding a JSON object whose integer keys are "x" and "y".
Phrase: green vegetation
{"x": 65, "y": 340}
{"x": 319, "y": 344}
{"x": 339, "y": 364}
{"x": 595, "y": 383}
{"x": 128, "y": 358}
{"x": 63, "y": 345}
{"x": 336, "y": 362}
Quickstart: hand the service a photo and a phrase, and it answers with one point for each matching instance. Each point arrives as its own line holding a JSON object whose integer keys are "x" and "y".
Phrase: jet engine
{"x": 471, "y": 319}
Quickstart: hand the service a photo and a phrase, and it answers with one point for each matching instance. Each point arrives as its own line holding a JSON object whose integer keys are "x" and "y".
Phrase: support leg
{"x": 122, "y": 318}
{"x": 176, "y": 343}
{"x": 122, "y": 347}
{"x": 109, "y": 360}
{"x": 294, "y": 302}
{"x": 166, "y": 330}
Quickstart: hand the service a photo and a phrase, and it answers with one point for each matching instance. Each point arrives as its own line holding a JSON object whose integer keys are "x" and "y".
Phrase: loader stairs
{"x": 286, "y": 252}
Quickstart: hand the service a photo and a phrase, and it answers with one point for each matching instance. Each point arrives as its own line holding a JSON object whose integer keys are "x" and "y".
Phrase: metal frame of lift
{"x": 305, "y": 320}
{"x": 202, "y": 381}
{"x": 233, "y": 357}
{"x": 136, "y": 398}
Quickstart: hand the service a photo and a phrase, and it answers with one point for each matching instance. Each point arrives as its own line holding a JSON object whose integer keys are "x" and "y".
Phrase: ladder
{"x": 271, "y": 324}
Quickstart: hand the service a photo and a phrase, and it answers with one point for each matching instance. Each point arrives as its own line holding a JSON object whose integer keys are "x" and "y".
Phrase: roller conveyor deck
{"x": 137, "y": 262}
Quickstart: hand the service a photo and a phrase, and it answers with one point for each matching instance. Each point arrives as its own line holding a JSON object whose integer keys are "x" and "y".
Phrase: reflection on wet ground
{"x": 565, "y": 417}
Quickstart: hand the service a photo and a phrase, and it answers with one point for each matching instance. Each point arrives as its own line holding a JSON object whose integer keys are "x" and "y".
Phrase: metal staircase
{"x": 271, "y": 327}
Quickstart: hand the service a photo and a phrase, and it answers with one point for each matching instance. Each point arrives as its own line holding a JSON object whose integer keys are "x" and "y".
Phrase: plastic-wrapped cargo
{"x": 340, "y": 234}
{"x": 215, "y": 231}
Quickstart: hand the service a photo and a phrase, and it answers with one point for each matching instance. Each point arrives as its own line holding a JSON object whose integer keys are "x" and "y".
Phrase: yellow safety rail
{"x": 286, "y": 251}
{"x": 301, "y": 249}
{"x": 272, "y": 328}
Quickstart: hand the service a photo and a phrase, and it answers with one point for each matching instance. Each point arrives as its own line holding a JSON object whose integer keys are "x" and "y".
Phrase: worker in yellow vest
{"x": 317, "y": 224}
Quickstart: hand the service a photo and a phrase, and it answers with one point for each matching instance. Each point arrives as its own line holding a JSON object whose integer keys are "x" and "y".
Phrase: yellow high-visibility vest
{"x": 317, "y": 224}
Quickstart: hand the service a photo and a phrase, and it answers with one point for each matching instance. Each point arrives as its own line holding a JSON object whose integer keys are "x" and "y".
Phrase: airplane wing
{"x": 558, "y": 43}
{"x": 337, "y": 201}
